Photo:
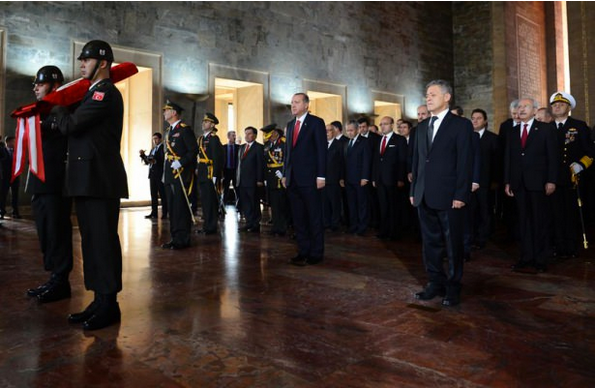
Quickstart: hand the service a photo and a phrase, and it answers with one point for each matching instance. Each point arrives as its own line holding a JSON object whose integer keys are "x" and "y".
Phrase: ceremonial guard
{"x": 50, "y": 208}
{"x": 576, "y": 153}
{"x": 276, "y": 193}
{"x": 96, "y": 179}
{"x": 209, "y": 171}
{"x": 178, "y": 176}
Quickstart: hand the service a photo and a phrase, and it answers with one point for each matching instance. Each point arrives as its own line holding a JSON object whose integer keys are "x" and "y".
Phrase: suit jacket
{"x": 180, "y": 144}
{"x": 443, "y": 172}
{"x": 574, "y": 144}
{"x": 155, "y": 162}
{"x": 307, "y": 160}
{"x": 491, "y": 157}
{"x": 536, "y": 164}
{"x": 335, "y": 163}
{"x": 251, "y": 167}
{"x": 210, "y": 149}
{"x": 358, "y": 161}
{"x": 234, "y": 153}
{"x": 390, "y": 167}
{"x": 54, "y": 146}
{"x": 94, "y": 166}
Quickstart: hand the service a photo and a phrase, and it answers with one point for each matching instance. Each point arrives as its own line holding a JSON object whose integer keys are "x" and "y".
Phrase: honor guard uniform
{"x": 96, "y": 179}
{"x": 577, "y": 154}
{"x": 51, "y": 208}
{"x": 276, "y": 193}
{"x": 209, "y": 171}
{"x": 178, "y": 175}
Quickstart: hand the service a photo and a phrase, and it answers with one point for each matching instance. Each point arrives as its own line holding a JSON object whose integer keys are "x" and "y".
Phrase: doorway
{"x": 238, "y": 104}
{"x": 385, "y": 108}
{"x": 327, "y": 106}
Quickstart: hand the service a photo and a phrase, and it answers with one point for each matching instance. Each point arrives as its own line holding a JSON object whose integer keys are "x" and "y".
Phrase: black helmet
{"x": 50, "y": 74}
{"x": 98, "y": 50}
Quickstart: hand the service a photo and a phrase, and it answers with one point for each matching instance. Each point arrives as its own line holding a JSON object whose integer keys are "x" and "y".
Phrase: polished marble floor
{"x": 231, "y": 312}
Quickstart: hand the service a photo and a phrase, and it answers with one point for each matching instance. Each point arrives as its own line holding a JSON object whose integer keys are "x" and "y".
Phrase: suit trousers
{"x": 180, "y": 219}
{"x": 532, "y": 207}
{"x": 483, "y": 214}
{"x": 157, "y": 188}
{"x": 54, "y": 230}
{"x": 14, "y": 191}
{"x": 388, "y": 206}
{"x": 566, "y": 220}
{"x": 358, "y": 197}
{"x": 442, "y": 236}
{"x": 307, "y": 218}
{"x": 229, "y": 176}
{"x": 332, "y": 206}
{"x": 279, "y": 212}
{"x": 209, "y": 205}
{"x": 250, "y": 206}
{"x": 102, "y": 254}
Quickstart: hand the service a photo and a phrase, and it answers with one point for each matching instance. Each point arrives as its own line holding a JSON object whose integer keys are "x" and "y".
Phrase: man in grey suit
{"x": 441, "y": 181}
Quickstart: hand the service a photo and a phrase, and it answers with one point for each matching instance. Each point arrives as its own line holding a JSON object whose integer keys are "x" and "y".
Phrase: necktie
{"x": 295, "y": 133}
{"x": 383, "y": 144}
{"x": 429, "y": 135}
{"x": 245, "y": 150}
{"x": 350, "y": 144}
{"x": 560, "y": 126}
{"x": 524, "y": 136}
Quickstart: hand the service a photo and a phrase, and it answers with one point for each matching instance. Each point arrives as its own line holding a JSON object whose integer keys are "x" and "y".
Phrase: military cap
{"x": 272, "y": 127}
{"x": 171, "y": 105}
{"x": 210, "y": 118}
{"x": 563, "y": 97}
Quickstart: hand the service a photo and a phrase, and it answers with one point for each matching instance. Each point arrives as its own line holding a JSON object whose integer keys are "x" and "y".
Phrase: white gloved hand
{"x": 176, "y": 165}
{"x": 265, "y": 182}
{"x": 278, "y": 174}
{"x": 576, "y": 167}
{"x": 214, "y": 180}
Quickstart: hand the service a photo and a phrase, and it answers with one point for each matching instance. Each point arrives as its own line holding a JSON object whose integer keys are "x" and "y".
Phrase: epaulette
{"x": 183, "y": 124}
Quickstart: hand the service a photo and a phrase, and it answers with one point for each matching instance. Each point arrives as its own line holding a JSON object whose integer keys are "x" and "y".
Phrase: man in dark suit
{"x": 506, "y": 209}
{"x": 250, "y": 176}
{"x": 304, "y": 177}
{"x": 374, "y": 140}
{"x": 230, "y": 157}
{"x": 156, "y": 186}
{"x": 209, "y": 170}
{"x": 96, "y": 178}
{"x": 576, "y": 152}
{"x": 357, "y": 170}
{"x": 51, "y": 208}
{"x": 5, "y": 184}
{"x": 531, "y": 164}
{"x": 408, "y": 218}
{"x": 491, "y": 158}
{"x": 441, "y": 182}
{"x": 178, "y": 175}
{"x": 389, "y": 176}
{"x": 332, "y": 192}
{"x": 339, "y": 136}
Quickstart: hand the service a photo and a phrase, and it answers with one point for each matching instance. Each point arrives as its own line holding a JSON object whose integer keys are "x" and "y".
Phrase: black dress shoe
{"x": 451, "y": 301}
{"x": 314, "y": 260}
{"x": 163, "y": 217}
{"x": 168, "y": 245}
{"x": 253, "y": 229}
{"x": 83, "y": 316}
{"x": 34, "y": 292}
{"x": 178, "y": 246}
{"x": 299, "y": 260}
{"x": 206, "y": 232}
{"x": 541, "y": 268}
{"x": 430, "y": 292}
{"x": 467, "y": 257}
{"x": 105, "y": 315}
{"x": 519, "y": 265}
{"x": 151, "y": 216}
{"x": 16, "y": 216}
{"x": 58, "y": 291}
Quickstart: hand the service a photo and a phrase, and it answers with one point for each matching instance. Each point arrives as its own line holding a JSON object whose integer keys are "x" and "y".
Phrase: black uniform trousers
{"x": 442, "y": 236}
{"x": 14, "y": 191}
{"x": 102, "y": 254}
{"x": 332, "y": 206}
{"x": 157, "y": 187}
{"x": 229, "y": 176}
{"x": 279, "y": 211}
{"x": 389, "y": 213}
{"x": 566, "y": 221}
{"x": 358, "y": 206}
{"x": 54, "y": 230}
{"x": 532, "y": 207}
{"x": 180, "y": 220}
{"x": 483, "y": 214}
{"x": 209, "y": 205}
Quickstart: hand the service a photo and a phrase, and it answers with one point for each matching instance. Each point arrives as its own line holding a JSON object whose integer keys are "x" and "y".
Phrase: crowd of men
{"x": 445, "y": 180}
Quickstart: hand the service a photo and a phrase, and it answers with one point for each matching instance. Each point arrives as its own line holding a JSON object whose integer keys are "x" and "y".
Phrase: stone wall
{"x": 393, "y": 47}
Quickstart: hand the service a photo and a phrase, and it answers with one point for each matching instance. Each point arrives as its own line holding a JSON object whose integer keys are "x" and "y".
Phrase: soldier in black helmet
{"x": 96, "y": 179}
{"x": 50, "y": 208}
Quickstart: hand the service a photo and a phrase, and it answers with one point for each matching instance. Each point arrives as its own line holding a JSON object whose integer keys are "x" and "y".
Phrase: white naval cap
{"x": 563, "y": 97}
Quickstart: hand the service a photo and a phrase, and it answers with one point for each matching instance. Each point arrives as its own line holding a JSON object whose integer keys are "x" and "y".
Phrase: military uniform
{"x": 180, "y": 146}
{"x": 276, "y": 193}
{"x": 210, "y": 169}
{"x": 575, "y": 146}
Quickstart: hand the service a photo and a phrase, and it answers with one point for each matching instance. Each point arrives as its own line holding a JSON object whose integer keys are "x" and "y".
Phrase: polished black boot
{"x": 106, "y": 314}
